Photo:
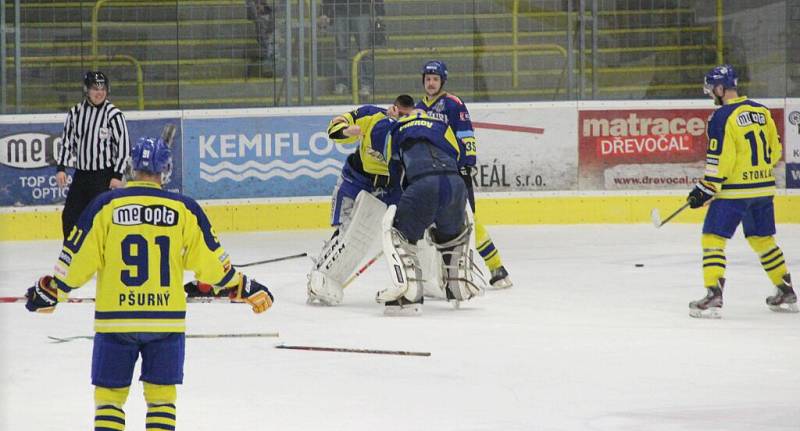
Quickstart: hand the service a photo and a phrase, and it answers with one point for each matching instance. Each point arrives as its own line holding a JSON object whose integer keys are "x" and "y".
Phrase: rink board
{"x": 256, "y": 215}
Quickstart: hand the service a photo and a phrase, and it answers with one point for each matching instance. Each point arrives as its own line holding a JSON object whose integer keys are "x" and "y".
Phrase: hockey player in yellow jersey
{"x": 739, "y": 186}
{"x": 139, "y": 240}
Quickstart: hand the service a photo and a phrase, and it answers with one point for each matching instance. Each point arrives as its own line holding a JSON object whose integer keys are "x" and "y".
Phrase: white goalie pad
{"x": 462, "y": 276}
{"x": 430, "y": 261}
{"x": 403, "y": 264}
{"x": 341, "y": 254}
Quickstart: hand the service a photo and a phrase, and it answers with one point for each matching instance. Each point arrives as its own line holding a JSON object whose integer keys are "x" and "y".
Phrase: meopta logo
{"x": 794, "y": 120}
{"x": 28, "y": 150}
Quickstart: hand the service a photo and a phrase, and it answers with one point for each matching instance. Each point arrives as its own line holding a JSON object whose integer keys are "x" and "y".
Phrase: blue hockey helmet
{"x": 151, "y": 155}
{"x": 723, "y": 75}
{"x": 95, "y": 78}
{"x": 435, "y": 67}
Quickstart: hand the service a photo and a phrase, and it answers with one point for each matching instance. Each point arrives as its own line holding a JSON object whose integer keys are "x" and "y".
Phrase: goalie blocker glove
{"x": 43, "y": 296}
{"x": 254, "y": 293}
{"x": 703, "y": 192}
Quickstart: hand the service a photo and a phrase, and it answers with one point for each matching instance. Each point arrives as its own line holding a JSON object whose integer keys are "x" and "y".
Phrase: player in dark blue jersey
{"x": 426, "y": 154}
{"x": 449, "y": 108}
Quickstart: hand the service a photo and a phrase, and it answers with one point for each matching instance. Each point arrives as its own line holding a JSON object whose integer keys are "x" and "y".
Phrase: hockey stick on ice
{"x": 362, "y": 270}
{"x": 191, "y": 300}
{"x": 656, "y": 217}
{"x": 276, "y": 259}
{"x": 250, "y": 335}
{"x": 346, "y": 350}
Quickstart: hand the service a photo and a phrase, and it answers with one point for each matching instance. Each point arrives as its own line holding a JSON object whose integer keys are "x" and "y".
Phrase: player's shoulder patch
{"x": 454, "y": 98}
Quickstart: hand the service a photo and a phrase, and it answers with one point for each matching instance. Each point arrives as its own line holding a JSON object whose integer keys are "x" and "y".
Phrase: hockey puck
{"x": 639, "y": 265}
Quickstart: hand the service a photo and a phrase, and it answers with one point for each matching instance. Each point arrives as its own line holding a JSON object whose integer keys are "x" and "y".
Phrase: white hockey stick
{"x": 656, "y": 217}
{"x": 250, "y": 335}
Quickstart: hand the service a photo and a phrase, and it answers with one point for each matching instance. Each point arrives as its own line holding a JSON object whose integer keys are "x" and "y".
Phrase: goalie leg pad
{"x": 462, "y": 277}
{"x": 341, "y": 254}
{"x": 431, "y": 264}
{"x": 403, "y": 263}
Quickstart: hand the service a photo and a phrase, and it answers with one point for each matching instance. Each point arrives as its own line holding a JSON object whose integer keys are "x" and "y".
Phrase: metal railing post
{"x": 95, "y": 14}
{"x": 570, "y": 50}
{"x": 17, "y": 54}
{"x": 581, "y": 48}
{"x": 301, "y": 52}
{"x": 287, "y": 70}
{"x": 515, "y": 42}
{"x": 312, "y": 73}
{"x": 719, "y": 32}
{"x": 3, "y": 83}
{"x": 595, "y": 48}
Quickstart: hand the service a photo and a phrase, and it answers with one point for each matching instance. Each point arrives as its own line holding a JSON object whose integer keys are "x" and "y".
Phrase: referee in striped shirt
{"x": 96, "y": 139}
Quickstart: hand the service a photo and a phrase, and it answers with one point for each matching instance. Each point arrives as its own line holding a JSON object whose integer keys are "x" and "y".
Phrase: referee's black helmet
{"x": 95, "y": 78}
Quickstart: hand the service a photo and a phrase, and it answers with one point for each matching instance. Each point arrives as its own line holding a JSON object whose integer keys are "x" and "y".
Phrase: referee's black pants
{"x": 86, "y": 185}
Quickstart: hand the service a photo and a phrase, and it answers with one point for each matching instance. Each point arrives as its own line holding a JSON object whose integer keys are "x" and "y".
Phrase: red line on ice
{"x": 510, "y": 128}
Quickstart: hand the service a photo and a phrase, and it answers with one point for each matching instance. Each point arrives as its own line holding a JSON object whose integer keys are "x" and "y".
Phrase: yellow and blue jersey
{"x": 743, "y": 149}
{"x": 139, "y": 240}
{"x": 450, "y": 109}
{"x": 365, "y": 117}
{"x": 390, "y": 134}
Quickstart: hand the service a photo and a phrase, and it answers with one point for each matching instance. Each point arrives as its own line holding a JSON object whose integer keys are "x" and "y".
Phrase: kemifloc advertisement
{"x": 261, "y": 157}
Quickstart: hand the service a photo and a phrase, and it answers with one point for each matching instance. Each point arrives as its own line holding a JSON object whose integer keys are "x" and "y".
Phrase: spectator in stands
{"x": 260, "y": 12}
{"x": 352, "y": 19}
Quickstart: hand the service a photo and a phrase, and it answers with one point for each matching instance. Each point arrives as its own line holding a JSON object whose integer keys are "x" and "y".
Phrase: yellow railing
{"x": 394, "y": 52}
{"x": 719, "y": 32}
{"x": 72, "y": 59}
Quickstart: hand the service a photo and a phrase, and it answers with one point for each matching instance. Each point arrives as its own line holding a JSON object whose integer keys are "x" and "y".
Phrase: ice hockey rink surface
{"x": 585, "y": 340}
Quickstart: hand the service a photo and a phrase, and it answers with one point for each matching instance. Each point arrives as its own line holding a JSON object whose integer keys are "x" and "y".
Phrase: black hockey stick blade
{"x": 276, "y": 259}
{"x": 348, "y": 350}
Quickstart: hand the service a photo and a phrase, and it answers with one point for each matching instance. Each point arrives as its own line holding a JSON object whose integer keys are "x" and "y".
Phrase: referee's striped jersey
{"x": 95, "y": 138}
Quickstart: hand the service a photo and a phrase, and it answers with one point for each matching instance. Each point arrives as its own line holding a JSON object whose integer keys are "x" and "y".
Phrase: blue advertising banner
{"x": 27, "y": 160}
{"x": 793, "y": 175}
{"x": 264, "y": 156}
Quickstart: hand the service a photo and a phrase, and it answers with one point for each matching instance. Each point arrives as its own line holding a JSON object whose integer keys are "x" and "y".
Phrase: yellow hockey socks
{"x": 109, "y": 415}
{"x": 485, "y": 246}
{"x": 160, "y": 406}
{"x": 714, "y": 260}
{"x": 771, "y": 257}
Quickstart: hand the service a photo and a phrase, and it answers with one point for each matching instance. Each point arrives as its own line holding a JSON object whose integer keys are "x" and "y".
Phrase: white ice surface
{"x": 583, "y": 341}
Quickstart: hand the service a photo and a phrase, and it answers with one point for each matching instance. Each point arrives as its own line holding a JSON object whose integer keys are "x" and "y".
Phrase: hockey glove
{"x": 701, "y": 194}
{"x": 254, "y": 293}
{"x": 43, "y": 296}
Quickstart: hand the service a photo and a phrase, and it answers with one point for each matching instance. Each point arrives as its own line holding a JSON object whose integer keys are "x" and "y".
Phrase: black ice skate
{"x": 500, "y": 279}
{"x": 403, "y": 307}
{"x": 709, "y": 307}
{"x": 784, "y": 300}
